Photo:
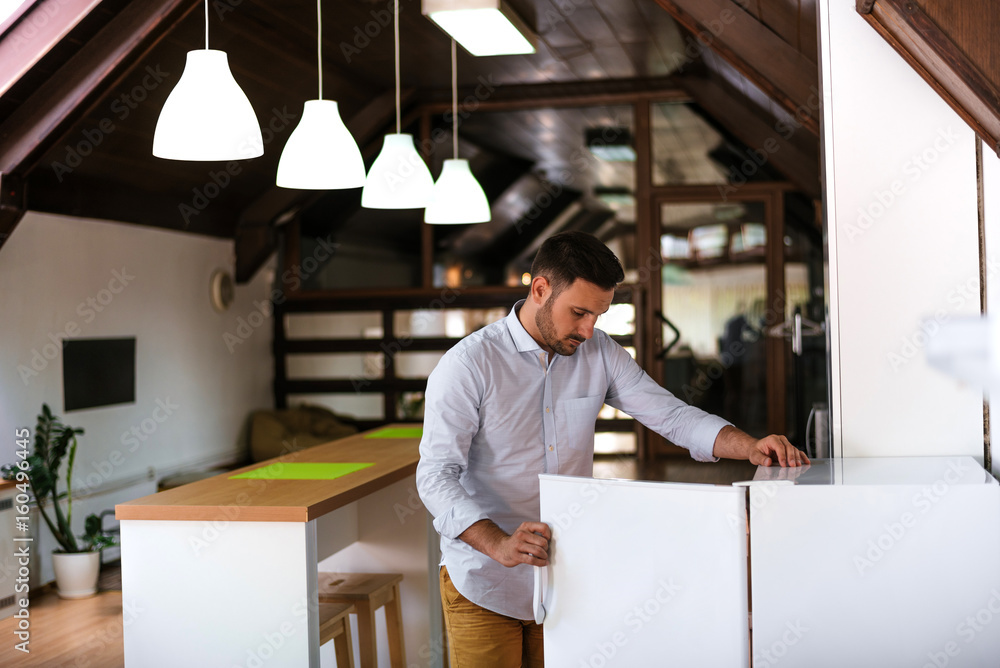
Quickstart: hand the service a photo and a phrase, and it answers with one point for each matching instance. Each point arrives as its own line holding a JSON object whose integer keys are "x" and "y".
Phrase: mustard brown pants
{"x": 481, "y": 638}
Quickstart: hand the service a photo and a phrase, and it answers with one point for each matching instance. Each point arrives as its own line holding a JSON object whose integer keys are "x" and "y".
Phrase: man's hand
{"x": 768, "y": 451}
{"x": 775, "y": 449}
{"x": 529, "y": 544}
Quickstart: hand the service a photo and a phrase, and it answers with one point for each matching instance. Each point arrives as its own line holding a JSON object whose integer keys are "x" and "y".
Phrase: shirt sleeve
{"x": 451, "y": 420}
{"x": 634, "y": 392}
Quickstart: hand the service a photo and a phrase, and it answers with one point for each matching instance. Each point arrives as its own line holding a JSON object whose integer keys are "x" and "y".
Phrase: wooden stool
{"x": 335, "y": 625}
{"x": 368, "y": 592}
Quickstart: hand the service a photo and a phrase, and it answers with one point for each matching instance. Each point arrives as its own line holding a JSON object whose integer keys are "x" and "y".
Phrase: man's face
{"x": 567, "y": 320}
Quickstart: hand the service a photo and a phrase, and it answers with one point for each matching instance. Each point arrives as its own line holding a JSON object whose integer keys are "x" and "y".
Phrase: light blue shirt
{"x": 498, "y": 412}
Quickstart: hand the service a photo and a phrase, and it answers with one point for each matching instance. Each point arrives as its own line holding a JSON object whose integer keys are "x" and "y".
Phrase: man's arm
{"x": 451, "y": 419}
{"x": 529, "y": 543}
{"x": 706, "y": 436}
{"x": 731, "y": 443}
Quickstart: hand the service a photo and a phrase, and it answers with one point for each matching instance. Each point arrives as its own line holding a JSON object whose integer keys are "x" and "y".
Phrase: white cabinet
{"x": 877, "y": 562}
{"x": 853, "y": 562}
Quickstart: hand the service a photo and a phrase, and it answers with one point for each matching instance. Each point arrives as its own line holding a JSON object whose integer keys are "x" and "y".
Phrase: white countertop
{"x": 962, "y": 470}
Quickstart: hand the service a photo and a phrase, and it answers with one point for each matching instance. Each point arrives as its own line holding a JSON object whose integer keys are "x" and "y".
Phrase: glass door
{"x": 715, "y": 307}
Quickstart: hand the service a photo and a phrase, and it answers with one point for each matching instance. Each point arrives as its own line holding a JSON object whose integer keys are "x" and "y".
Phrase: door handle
{"x": 677, "y": 335}
{"x": 538, "y": 596}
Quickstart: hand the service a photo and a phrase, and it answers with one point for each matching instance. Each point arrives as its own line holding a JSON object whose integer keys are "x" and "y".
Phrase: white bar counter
{"x": 223, "y": 572}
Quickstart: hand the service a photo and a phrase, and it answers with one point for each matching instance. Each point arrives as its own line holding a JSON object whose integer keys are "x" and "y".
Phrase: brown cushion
{"x": 274, "y": 433}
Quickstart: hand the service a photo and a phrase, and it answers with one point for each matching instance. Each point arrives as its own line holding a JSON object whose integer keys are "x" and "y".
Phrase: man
{"x": 518, "y": 398}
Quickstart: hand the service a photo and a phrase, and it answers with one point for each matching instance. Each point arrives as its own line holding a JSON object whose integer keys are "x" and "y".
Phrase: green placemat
{"x": 398, "y": 432}
{"x": 303, "y": 471}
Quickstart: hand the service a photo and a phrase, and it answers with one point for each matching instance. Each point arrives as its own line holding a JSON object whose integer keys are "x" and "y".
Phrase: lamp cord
{"x": 396, "y": 33}
{"x": 454, "y": 100}
{"x": 319, "y": 44}
{"x": 206, "y": 25}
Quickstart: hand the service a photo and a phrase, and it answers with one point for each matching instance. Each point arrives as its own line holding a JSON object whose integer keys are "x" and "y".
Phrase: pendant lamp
{"x": 457, "y": 197}
{"x": 399, "y": 178}
{"x": 321, "y": 154}
{"x": 207, "y": 116}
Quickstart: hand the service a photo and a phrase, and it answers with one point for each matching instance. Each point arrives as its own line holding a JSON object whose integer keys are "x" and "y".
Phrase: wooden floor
{"x": 85, "y": 633}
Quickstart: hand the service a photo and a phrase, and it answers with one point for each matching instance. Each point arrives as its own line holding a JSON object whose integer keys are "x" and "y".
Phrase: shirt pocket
{"x": 576, "y": 419}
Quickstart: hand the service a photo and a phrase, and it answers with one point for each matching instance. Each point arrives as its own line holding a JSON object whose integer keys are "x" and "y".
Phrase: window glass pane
{"x": 614, "y": 442}
{"x": 416, "y": 365}
{"x": 334, "y": 365}
{"x": 346, "y": 325}
{"x": 618, "y": 321}
{"x": 357, "y": 405}
{"x": 452, "y": 323}
{"x": 683, "y": 146}
{"x": 716, "y": 300}
{"x": 410, "y": 406}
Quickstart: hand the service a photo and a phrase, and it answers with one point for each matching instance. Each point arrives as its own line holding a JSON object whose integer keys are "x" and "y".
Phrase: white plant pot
{"x": 76, "y": 573}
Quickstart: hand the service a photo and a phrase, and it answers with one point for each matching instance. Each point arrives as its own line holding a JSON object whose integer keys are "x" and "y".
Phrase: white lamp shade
{"x": 457, "y": 197}
{"x": 399, "y": 178}
{"x": 207, "y": 116}
{"x": 321, "y": 154}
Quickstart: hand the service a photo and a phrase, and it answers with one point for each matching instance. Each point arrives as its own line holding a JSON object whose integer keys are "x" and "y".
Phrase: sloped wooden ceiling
{"x": 953, "y": 46}
{"x": 771, "y": 42}
{"x": 756, "y": 78}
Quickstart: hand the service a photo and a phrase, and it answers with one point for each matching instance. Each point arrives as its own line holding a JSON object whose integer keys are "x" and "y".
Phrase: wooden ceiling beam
{"x": 77, "y": 87}
{"x": 39, "y": 27}
{"x": 490, "y": 96}
{"x": 12, "y": 205}
{"x": 773, "y": 65}
{"x": 771, "y": 143}
{"x": 939, "y": 61}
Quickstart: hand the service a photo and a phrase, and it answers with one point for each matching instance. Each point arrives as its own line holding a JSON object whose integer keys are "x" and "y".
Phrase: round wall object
{"x": 222, "y": 290}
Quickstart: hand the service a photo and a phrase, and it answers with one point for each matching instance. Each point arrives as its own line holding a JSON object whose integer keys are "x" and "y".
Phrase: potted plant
{"x": 77, "y": 563}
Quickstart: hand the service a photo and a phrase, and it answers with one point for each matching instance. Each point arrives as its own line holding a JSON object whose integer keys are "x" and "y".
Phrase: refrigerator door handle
{"x": 537, "y": 597}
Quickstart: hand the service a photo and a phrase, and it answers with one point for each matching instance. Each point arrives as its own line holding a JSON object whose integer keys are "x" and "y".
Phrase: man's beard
{"x": 543, "y": 320}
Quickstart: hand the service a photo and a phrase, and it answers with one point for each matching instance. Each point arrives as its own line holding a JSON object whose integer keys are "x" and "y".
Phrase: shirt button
{"x": 550, "y": 448}
{"x": 546, "y": 409}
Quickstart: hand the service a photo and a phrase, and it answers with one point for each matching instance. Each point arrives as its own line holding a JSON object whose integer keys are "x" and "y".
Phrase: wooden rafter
{"x": 730, "y": 109}
{"x": 940, "y": 62}
{"x": 774, "y": 66}
{"x": 37, "y": 28}
{"x": 72, "y": 92}
{"x": 510, "y": 97}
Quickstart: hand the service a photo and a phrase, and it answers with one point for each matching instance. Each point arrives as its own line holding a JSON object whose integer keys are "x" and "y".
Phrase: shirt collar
{"x": 522, "y": 340}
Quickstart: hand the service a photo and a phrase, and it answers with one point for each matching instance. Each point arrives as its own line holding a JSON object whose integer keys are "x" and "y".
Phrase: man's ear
{"x": 540, "y": 290}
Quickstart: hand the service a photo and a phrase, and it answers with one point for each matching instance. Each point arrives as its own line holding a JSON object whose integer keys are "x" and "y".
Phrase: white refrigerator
{"x": 879, "y": 562}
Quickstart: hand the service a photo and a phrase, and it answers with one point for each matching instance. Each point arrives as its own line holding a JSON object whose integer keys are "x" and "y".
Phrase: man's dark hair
{"x": 567, "y": 256}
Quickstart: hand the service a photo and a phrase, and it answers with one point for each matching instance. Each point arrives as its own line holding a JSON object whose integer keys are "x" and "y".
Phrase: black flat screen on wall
{"x": 98, "y": 372}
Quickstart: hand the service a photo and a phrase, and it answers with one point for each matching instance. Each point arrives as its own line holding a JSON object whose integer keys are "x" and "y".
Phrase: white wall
{"x": 894, "y": 150}
{"x": 52, "y": 265}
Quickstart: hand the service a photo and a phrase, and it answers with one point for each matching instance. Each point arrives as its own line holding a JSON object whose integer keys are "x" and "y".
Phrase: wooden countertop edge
{"x": 361, "y": 491}
{"x": 261, "y": 513}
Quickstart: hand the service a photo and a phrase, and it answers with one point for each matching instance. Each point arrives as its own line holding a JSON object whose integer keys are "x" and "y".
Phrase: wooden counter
{"x": 228, "y": 569}
{"x": 260, "y": 500}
